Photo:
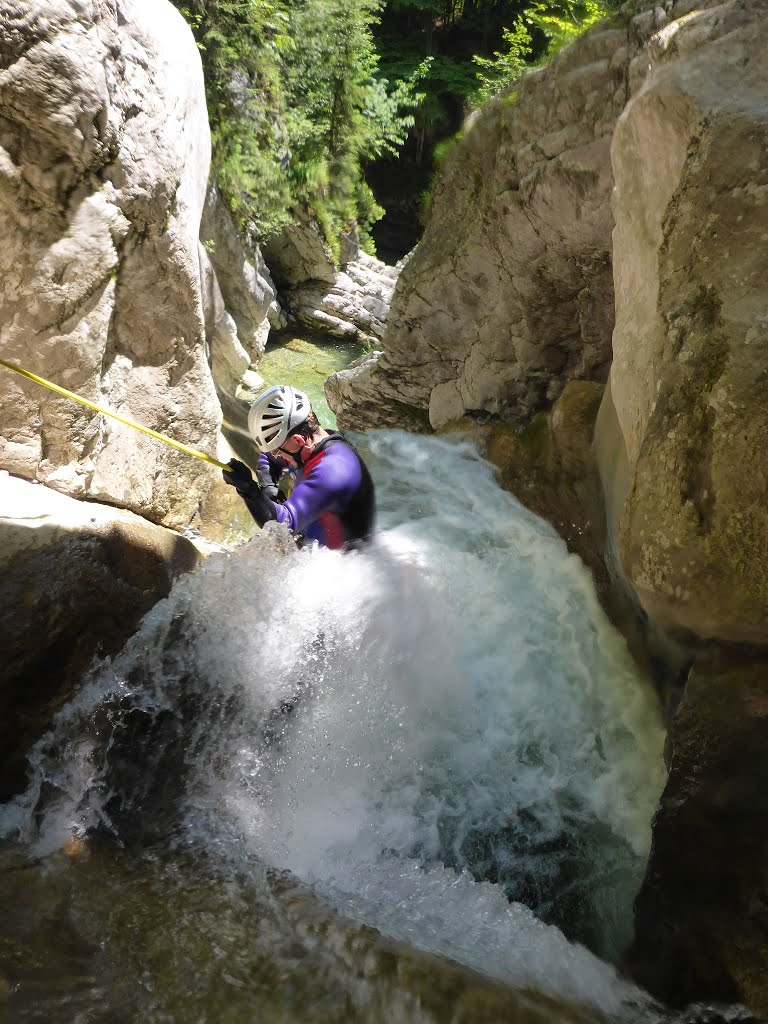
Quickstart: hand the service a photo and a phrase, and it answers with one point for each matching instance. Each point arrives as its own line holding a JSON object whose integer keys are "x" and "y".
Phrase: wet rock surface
{"x": 702, "y": 915}
{"x": 77, "y": 578}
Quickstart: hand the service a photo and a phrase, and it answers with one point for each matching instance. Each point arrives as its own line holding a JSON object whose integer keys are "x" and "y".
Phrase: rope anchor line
{"x": 115, "y": 416}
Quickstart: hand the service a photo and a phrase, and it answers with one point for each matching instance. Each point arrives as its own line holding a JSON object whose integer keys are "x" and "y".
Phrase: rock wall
{"x": 351, "y": 302}
{"x": 104, "y": 156}
{"x": 509, "y": 294}
{"x": 702, "y": 918}
{"x": 299, "y": 254}
{"x": 691, "y": 342}
{"x": 76, "y": 579}
{"x": 104, "y": 153}
{"x": 686, "y": 421}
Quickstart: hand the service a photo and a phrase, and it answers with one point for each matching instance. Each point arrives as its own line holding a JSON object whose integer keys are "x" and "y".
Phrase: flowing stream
{"x": 439, "y": 737}
{"x": 307, "y": 364}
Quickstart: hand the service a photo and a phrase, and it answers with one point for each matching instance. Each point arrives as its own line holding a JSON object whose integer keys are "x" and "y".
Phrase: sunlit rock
{"x": 350, "y": 302}
{"x": 229, "y": 360}
{"x": 355, "y": 306}
{"x": 355, "y": 395}
{"x": 104, "y": 160}
{"x": 691, "y": 340}
{"x": 509, "y": 294}
{"x": 247, "y": 289}
{"x": 76, "y": 579}
{"x": 299, "y": 254}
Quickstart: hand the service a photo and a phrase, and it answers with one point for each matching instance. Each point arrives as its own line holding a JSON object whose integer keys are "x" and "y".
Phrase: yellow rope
{"x": 129, "y": 423}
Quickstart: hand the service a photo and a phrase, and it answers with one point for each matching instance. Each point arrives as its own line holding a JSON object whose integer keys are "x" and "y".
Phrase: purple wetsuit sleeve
{"x": 330, "y": 480}
{"x": 269, "y": 469}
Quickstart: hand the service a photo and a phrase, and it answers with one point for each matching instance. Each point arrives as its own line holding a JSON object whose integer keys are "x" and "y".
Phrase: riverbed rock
{"x": 355, "y": 306}
{"x": 509, "y": 294}
{"x": 691, "y": 341}
{"x": 77, "y": 577}
{"x": 350, "y": 301}
{"x": 443, "y": 989}
{"x": 104, "y": 153}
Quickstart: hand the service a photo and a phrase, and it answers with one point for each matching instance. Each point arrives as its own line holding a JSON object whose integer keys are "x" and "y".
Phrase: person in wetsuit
{"x": 333, "y": 499}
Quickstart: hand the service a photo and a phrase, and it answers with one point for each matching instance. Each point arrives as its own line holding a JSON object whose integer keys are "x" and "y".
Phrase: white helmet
{"x": 275, "y": 414}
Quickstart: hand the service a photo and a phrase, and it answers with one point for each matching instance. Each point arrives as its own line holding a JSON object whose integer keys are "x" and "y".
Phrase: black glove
{"x": 260, "y": 506}
{"x": 239, "y": 477}
{"x": 273, "y": 492}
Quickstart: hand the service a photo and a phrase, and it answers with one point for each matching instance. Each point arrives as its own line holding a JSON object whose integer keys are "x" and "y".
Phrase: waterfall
{"x": 441, "y": 734}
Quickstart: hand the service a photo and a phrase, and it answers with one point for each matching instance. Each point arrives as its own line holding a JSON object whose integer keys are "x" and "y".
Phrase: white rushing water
{"x": 466, "y": 730}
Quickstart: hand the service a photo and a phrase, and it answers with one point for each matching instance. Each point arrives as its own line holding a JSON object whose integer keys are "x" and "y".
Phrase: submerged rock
{"x": 77, "y": 577}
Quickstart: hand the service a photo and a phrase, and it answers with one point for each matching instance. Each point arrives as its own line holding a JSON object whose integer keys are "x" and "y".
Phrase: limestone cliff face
{"x": 509, "y": 294}
{"x": 246, "y": 285}
{"x": 104, "y": 153}
{"x": 690, "y": 365}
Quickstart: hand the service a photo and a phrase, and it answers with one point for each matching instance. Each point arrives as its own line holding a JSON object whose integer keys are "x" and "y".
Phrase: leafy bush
{"x": 296, "y": 107}
{"x": 559, "y": 23}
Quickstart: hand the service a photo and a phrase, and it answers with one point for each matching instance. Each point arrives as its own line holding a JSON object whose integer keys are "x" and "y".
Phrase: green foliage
{"x": 440, "y": 154}
{"x": 560, "y": 23}
{"x": 388, "y": 113}
{"x": 302, "y": 107}
{"x": 339, "y": 112}
{"x": 505, "y": 66}
{"x": 297, "y": 106}
{"x": 240, "y": 42}
{"x": 444, "y": 149}
{"x": 565, "y": 21}
{"x": 368, "y": 212}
